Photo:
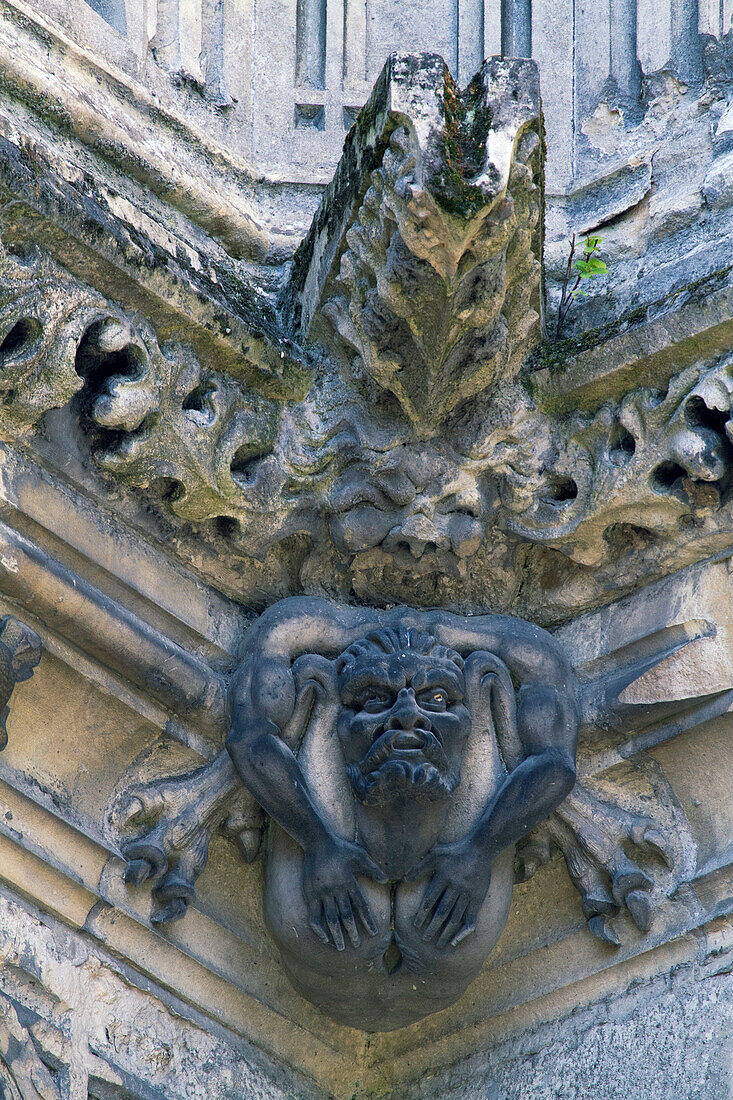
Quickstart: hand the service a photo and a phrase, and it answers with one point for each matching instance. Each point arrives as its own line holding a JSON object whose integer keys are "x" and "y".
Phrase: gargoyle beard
{"x": 420, "y": 781}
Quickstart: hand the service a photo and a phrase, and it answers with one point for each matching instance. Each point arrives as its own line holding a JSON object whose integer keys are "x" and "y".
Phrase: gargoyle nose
{"x": 420, "y": 534}
{"x": 406, "y": 712}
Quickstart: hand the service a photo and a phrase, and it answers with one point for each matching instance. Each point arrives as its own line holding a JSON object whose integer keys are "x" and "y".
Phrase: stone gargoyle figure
{"x": 400, "y": 755}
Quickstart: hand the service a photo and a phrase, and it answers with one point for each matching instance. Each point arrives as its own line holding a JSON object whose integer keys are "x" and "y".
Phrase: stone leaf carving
{"x": 167, "y": 420}
{"x": 44, "y": 314}
{"x": 20, "y": 652}
{"x": 655, "y": 461}
{"x": 23, "y": 1076}
{"x": 398, "y": 770}
{"x": 437, "y": 288}
{"x": 425, "y": 255}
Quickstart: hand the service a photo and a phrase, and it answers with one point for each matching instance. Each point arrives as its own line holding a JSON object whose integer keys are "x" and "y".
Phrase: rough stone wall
{"x": 104, "y": 1035}
{"x": 668, "y": 1036}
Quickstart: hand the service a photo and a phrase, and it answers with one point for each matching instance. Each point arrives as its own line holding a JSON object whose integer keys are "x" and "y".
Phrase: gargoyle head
{"x": 417, "y": 508}
{"x": 403, "y": 724}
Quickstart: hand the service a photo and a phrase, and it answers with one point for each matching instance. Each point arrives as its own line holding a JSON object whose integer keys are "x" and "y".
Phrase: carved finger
{"x": 468, "y": 926}
{"x": 649, "y": 838}
{"x": 370, "y": 869}
{"x": 171, "y": 898}
{"x": 441, "y": 914}
{"x": 347, "y": 919}
{"x": 330, "y": 910}
{"x": 144, "y": 861}
{"x": 430, "y": 898}
{"x": 639, "y": 903}
{"x": 362, "y": 909}
{"x": 453, "y": 923}
{"x": 627, "y": 876}
{"x": 603, "y": 929}
{"x": 173, "y": 910}
{"x": 315, "y": 923}
{"x": 137, "y": 872}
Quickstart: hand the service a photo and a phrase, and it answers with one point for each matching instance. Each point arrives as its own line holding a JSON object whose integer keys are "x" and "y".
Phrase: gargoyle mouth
{"x": 408, "y": 739}
{"x": 413, "y": 745}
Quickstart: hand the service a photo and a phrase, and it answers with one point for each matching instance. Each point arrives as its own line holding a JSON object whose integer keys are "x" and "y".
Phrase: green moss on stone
{"x": 467, "y": 121}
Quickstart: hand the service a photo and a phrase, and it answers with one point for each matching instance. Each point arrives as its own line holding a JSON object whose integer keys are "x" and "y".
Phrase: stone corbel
{"x": 625, "y": 838}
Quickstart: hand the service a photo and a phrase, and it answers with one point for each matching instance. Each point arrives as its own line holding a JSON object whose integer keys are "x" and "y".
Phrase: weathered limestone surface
{"x": 245, "y": 371}
{"x": 72, "y": 1024}
{"x": 666, "y": 1034}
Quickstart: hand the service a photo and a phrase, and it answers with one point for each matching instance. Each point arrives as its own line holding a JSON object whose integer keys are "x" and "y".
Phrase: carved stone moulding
{"x": 403, "y": 766}
{"x": 647, "y": 673}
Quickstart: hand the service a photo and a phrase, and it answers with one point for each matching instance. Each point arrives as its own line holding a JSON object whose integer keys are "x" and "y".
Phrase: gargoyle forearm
{"x": 263, "y": 701}
{"x": 528, "y": 795}
{"x": 272, "y": 774}
{"x": 548, "y": 728}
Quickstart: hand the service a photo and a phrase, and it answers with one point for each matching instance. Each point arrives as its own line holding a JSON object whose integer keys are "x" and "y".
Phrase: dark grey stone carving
{"x": 20, "y": 652}
{"x": 368, "y": 777}
{"x": 400, "y": 754}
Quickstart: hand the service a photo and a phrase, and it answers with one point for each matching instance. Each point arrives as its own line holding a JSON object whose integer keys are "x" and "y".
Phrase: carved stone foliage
{"x": 438, "y": 285}
{"x": 44, "y": 313}
{"x": 658, "y": 461}
{"x": 168, "y": 419}
{"x": 420, "y": 462}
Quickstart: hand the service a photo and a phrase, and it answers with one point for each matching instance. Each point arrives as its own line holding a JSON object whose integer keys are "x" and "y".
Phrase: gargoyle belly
{"x": 392, "y": 979}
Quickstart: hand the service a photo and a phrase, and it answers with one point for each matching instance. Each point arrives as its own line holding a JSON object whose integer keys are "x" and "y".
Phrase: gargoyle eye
{"x": 436, "y": 699}
{"x": 376, "y": 701}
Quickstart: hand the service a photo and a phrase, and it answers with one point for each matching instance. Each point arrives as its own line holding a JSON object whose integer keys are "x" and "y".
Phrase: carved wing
{"x": 650, "y": 668}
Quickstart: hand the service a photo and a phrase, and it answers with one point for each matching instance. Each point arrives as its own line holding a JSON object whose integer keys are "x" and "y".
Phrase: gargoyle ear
{"x": 492, "y": 700}
{"x": 316, "y": 685}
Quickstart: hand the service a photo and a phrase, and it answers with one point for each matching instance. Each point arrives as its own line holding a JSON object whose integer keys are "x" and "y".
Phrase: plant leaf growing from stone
{"x": 588, "y": 266}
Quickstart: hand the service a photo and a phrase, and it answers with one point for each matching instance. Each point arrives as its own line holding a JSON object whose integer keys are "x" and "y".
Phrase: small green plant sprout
{"x": 586, "y": 266}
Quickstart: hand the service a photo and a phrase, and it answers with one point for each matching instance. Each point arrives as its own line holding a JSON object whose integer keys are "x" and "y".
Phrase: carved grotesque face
{"x": 423, "y": 512}
{"x": 404, "y": 722}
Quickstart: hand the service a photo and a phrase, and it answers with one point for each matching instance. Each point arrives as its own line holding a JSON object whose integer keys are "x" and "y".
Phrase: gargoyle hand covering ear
{"x": 400, "y": 754}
